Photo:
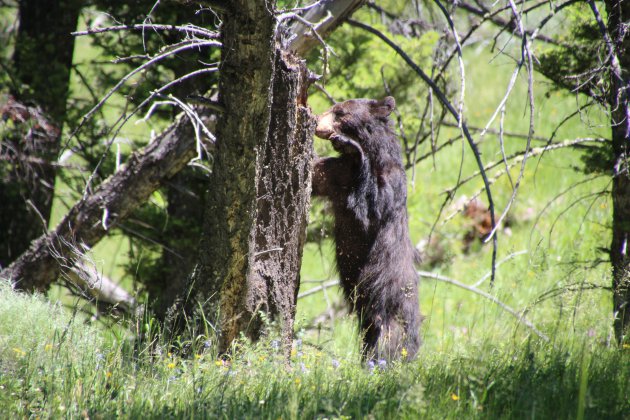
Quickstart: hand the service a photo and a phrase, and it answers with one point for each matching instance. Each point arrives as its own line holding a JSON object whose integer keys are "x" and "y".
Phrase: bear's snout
{"x": 325, "y": 127}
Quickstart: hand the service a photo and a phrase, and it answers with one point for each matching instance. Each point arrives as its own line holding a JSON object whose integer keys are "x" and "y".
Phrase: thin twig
{"x": 575, "y": 202}
{"x": 141, "y": 27}
{"x": 497, "y": 132}
{"x": 526, "y": 57}
{"x": 557, "y": 197}
{"x": 324, "y": 286}
{"x": 499, "y": 263}
{"x": 532, "y": 152}
{"x": 519, "y": 316}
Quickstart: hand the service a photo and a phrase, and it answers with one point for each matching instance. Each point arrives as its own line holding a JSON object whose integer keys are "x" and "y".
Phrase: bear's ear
{"x": 384, "y": 107}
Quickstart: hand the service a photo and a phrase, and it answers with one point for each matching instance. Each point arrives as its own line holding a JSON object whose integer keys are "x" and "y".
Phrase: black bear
{"x": 367, "y": 187}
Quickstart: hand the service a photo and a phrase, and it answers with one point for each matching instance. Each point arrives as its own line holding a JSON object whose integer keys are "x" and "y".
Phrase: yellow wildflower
{"x": 404, "y": 353}
{"x": 108, "y": 374}
{"x": 454, "y": 397}
{"x": 218, "y": 363}
{"x": 170, "y": 365}
{"x": 48, "y": 347}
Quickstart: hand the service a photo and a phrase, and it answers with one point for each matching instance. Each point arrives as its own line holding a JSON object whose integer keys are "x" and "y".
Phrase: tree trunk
{"x": 42, "y": 60}
{"x": 225, "y": 256}
{"x": 283, "y": 189}
{"x": 90, "y": 219}
{"x": 618, "y": 16}
{"x": 256, "y": 218}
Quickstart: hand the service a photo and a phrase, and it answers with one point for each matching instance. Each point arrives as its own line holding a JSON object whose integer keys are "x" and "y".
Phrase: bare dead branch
{"x": 497, "y": 132}
{"x": 557, "y": 197}
{"x": 219, "y": 6}
{"x": 325, "y": 285}
{"x": 93, "y": 284}
{"x": 331, "y": 13}
{"x": 596, "y": 195}
{"x": 187, "y": 29}
{"x": 492, "y": 16}
{"x": 526, "y": 58}
{"x": 578, "y": 287}
{"x": 518, "y": 157}
{"x": 520, "y": 317}
{"x": 460, "y": 59}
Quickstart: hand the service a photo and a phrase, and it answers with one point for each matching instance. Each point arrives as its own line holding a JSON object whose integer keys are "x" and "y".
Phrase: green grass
{"x": 55, "y": 367}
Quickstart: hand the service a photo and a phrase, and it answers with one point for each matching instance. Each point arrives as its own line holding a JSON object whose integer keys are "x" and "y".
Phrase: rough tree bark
{"x": 91, "y": 218}
{"x": 42, "y": 60}
{"x": 226, "y": 257}
{"x": 283, "y": 189}
{"x": 618, "y": 18}
{"x": 261, "y": 183}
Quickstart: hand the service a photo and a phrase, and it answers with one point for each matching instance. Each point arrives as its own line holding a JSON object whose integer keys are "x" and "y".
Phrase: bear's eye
{"x": 339, "y": 113}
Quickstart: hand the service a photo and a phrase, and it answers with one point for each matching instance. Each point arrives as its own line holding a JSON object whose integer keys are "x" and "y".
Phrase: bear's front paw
{"x": 336, "y": 138}
{"x": 344, "y": 144}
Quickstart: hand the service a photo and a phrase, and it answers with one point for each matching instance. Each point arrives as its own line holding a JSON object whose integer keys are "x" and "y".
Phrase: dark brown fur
{"x": 367, "y": 187}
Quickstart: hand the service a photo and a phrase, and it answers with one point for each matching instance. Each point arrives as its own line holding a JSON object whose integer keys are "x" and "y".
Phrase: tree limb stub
{"x": 326, "y": 16}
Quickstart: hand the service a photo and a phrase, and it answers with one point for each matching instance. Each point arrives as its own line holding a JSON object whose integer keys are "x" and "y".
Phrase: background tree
{"x": 38, "y": 76}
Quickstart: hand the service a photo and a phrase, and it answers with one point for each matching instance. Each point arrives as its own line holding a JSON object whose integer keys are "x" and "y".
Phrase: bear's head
{"x": 355, "y": 118}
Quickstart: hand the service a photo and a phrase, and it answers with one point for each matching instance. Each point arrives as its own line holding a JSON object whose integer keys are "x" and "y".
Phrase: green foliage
{"x": 574, "y": 65}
